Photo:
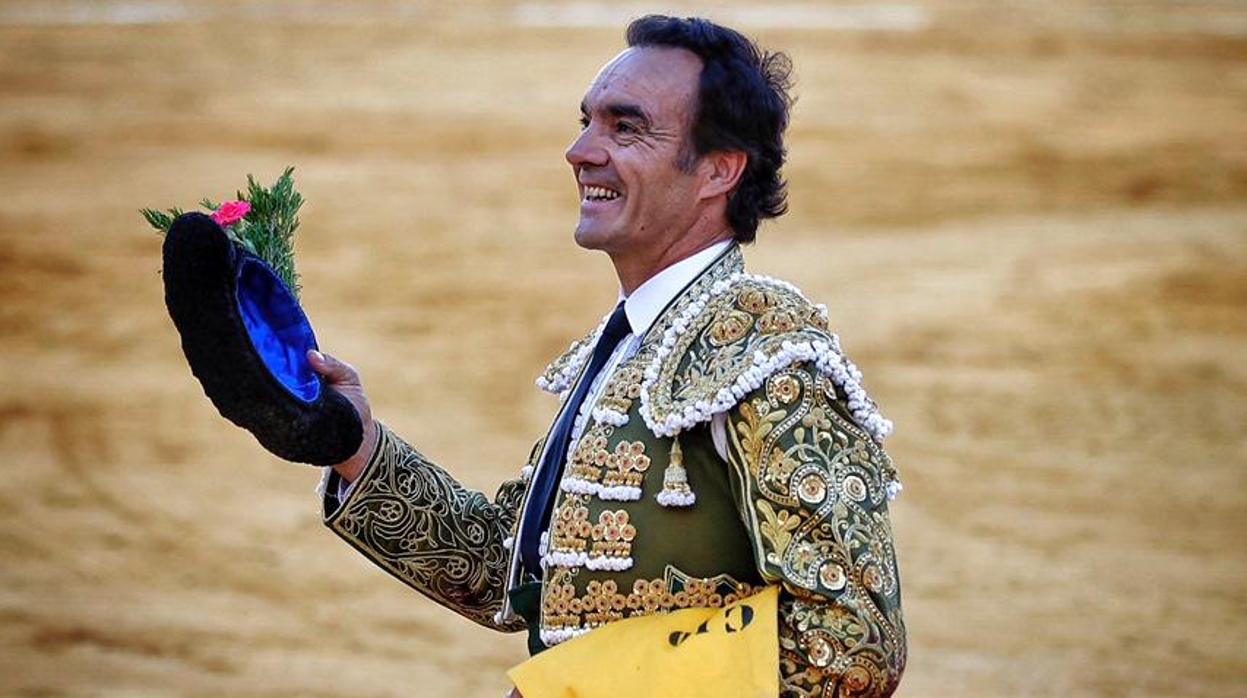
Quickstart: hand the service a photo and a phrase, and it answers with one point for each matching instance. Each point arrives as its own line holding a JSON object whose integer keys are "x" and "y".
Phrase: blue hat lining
{"x": 278, "y": 328}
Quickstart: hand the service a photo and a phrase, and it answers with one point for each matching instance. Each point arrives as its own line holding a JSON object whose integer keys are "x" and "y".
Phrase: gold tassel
{"x": 675, "y": 490}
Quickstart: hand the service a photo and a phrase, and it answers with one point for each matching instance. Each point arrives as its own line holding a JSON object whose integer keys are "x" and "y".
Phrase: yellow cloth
{"x": 730, "y": 651}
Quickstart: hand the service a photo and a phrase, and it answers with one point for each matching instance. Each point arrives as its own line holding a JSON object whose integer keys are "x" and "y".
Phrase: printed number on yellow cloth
{"x": 729, "y": 651}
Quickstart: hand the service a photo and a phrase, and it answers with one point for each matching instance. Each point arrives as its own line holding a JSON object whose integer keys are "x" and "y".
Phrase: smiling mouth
{"x": 600, "y": 194}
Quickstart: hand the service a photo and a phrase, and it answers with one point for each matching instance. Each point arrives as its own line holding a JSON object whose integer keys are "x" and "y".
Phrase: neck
{"x": 637, "y": 267}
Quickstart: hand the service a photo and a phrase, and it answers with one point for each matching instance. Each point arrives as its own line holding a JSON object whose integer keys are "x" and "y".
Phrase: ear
{"x": 721, "y": 171}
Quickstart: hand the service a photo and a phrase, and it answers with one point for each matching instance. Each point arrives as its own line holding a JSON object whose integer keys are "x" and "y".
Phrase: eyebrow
{"x": 621, "y": 110}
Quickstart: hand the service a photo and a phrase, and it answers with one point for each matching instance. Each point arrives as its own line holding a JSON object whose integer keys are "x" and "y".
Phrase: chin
{"x": 590, "y": 237}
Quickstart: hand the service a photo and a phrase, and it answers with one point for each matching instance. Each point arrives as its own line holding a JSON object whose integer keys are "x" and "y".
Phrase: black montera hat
{"x": 246, "y": 340}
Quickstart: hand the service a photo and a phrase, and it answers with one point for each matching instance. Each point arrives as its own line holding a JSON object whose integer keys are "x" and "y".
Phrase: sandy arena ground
{"x": 1029, "y": 220}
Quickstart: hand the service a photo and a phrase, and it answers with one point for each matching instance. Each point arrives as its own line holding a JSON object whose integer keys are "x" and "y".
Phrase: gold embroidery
{"x": 626, "y": 465}
{"x": 590, "y": 456}
{"x": 784, "y": 389}
{"x": 731, "y": 328}
{"x": 676, "y": 491}
{"x": 776, "y": 528}
{"x": 603, "y": 602}
{"x": 556, "y": 600}
{"x": 816, "y": 484}
{"x": 623, "y": 388}
{"x": 812, "y": 489}
{"x": 776, "y": 321}
{"x": 569, "y": 532}
{"x": 419, "y": 524}
{"x": 720, "y": 349}
{"x": 754, "y": 300}
{"x": 612, "y": 535}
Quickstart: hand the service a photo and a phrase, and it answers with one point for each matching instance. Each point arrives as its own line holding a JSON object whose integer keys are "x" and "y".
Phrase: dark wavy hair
{"x": 742, "y": 105}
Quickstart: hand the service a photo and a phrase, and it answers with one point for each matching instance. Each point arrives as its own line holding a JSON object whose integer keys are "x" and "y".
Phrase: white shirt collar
{"x": 649, "y": 299}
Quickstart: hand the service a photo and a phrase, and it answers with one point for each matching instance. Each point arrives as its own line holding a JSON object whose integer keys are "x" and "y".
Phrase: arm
{"x": 415, "y": 521}
{"x": 811, "y": 486}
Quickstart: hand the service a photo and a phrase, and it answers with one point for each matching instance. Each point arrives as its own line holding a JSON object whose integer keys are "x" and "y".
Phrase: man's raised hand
{"x": 345, "y": 379}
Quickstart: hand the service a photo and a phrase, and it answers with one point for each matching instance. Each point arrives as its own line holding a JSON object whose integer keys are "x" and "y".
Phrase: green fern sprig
{"x": 267, "y": 231}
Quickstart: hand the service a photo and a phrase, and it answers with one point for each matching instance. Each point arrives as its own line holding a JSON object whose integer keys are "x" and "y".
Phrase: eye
{"x": 626, "y": 127}
{"x": 584, "y": 122}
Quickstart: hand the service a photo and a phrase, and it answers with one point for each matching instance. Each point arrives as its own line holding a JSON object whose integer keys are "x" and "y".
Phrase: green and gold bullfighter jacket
{"x": 650, "y": 518}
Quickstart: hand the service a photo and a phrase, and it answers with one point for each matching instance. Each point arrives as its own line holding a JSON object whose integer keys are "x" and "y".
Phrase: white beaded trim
{"x": 567, "y": 376}
{"x": 605, "y": 415}
{"x": 614, "y": 493}
{"x": 619, "y": 493}
{"x": 613, "y": 564}
{"x": 526, "y": 473}
{"x": 575, "y": 485}
{"x": 551, "y": 638}
{"x": 562, "y": 558}
{"x": 508, "y": 542}
{"x": 676, "y": 499}
{"x": 894, "y": 489}
{"x": 825, "y": 355}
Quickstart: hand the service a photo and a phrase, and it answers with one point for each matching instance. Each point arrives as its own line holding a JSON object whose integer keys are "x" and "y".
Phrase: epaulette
{"x": 562, "y": 372}
{"x": 724, "y": 342}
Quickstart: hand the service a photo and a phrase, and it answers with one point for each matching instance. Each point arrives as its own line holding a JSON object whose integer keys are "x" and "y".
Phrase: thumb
{"x": 335, "y": 371}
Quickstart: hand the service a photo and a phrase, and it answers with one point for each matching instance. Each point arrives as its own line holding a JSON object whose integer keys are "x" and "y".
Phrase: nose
{"x": 586, "y": 150}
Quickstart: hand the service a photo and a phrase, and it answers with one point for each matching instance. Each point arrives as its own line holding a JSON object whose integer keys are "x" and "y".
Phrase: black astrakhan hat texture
{"x": 246, "y": 340}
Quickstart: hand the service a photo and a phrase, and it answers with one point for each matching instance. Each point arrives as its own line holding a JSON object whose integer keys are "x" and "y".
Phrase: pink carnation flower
{"x": 231, "y": 212}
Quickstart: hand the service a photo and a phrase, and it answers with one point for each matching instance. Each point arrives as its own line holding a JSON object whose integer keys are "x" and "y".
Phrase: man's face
{"x": 636, "y": 118}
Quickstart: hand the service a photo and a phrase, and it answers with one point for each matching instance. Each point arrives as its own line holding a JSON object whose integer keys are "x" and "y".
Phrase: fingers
{"x": 335, "y": 371}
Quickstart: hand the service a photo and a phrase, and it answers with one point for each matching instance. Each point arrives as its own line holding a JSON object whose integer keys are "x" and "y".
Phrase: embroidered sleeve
{"x": 416, "y": 522}
{"x": 813, "y": 489}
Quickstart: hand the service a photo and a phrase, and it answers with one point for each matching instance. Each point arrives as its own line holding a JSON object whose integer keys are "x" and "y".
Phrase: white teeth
{"x": 600, "y": 193}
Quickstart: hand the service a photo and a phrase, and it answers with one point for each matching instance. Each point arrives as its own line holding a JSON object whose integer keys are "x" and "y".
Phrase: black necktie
{"x": 550, "y": 471}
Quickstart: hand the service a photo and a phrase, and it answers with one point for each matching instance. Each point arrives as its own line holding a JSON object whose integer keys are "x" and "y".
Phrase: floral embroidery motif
{"x": 419, "y": 524}
{"x": 816, "y": 483}
{"x": 731, "y": 328}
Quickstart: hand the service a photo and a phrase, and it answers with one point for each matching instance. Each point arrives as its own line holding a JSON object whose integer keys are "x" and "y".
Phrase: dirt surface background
{"x": 1029, "y": 220}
